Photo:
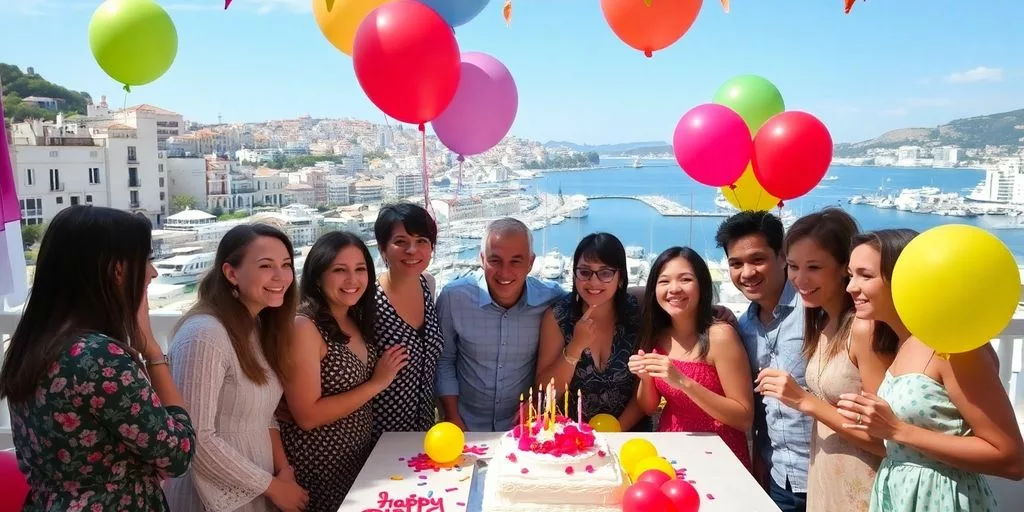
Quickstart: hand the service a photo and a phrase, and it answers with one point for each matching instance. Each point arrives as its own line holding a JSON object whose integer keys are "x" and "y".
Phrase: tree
{"x": 183, "y": 202}
{"x": 31, "y": 233}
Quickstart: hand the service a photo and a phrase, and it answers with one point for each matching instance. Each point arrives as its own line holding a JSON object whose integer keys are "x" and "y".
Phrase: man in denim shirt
{"x": 772, "y": 330}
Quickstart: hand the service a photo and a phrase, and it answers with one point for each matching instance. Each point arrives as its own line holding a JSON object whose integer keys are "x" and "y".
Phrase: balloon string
{"x": 124, "y": 105}
{"x": 426, "y": 172}
{"x": 732, "y": 188}
{"x": 458, "y": 182}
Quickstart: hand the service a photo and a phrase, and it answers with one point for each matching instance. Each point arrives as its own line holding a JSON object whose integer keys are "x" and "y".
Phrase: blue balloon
{"x": 457, "y": 12}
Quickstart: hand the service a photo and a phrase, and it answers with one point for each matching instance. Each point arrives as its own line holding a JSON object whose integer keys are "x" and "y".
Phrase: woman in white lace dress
{"x": 228, "y": 356}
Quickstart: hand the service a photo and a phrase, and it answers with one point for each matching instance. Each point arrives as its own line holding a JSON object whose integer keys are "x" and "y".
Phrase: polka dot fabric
{"x": 407, "y": 405}
{"x": 909, "y": 481}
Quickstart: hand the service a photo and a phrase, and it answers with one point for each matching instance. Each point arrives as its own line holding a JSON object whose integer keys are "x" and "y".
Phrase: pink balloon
{"x": 682, "y": 495}
{"x": 712, "y": 144}
{"x": 483, "y": 109}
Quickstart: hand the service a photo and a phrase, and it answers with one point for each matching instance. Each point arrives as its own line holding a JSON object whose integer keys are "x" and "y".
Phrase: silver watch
{"x": 163, "y": 359}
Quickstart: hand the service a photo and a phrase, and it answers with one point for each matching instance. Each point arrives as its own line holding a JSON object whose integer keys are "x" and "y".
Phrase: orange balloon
{"x": 339, "y": 24}
{"x": 650, "y": 26}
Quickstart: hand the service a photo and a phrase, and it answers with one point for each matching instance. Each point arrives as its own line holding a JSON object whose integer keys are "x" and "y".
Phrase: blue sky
{"x": 889, "y": 64}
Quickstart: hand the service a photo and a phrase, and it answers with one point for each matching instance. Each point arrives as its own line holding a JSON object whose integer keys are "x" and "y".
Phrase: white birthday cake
{"x": 556, "y": 465}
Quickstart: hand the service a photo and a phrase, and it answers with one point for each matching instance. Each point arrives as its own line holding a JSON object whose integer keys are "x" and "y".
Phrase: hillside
{"x": 1002, "y": 129}
{"x": 18, "y": 85}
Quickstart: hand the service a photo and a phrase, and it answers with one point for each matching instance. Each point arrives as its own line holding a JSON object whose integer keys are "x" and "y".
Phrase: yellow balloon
{"x": 635, "y": 450}
{"x": 605, "y": 423}
{"x": 653, "y": 462}
{"x": 749, "y": 194}
{"x": 340, "y": 24}
{"x": 955, "y": 287}
{"x": 444, "y": 442}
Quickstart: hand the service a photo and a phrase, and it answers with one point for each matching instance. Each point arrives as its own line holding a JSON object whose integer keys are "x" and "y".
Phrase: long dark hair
{"x": 76, "y": 290}
{"x": 833, "y": 230}
{"x": 889, "y": 243}
{"x": 607, "y": 249}
{"x": 313, "y": 303}
{"x": 654, "y": 320}
{"x": 274, "y": 324}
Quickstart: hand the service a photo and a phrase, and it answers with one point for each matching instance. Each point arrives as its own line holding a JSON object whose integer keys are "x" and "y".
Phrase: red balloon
{"x": 792, "y": 152}
{"x": 407, "y": 61}
{"x": 645, "y": 497}
{"x": 682, "y": 495}
{"x": 653, "y": 476}
{"x": 12, "y": 481}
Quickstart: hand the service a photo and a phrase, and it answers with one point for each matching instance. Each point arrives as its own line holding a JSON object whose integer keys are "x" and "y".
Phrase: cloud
{"x": 911, "y": 104}
{"x": 978, "y": 74}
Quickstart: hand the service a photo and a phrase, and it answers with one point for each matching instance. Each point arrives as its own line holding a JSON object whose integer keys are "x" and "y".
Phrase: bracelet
{"x": 570, "y": 360}
{"x": 163, "y": 359}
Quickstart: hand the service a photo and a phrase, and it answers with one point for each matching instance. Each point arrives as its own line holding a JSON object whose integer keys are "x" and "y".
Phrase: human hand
{"x": 583, "y": 333}
{"x": 637, "y": 364}
{"x": 871, "y": 414}
{"x": 781, "y": 386}
{"x": 660, "y": 366}
{"x": 389, "y": 364}
{"x": 287, "y": 495}
{"x": 724, "y": 314}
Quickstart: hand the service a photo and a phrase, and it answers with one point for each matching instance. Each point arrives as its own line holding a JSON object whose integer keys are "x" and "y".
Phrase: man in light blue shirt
{"x": 491, "y": 328}
{"x": 772, "y": 330}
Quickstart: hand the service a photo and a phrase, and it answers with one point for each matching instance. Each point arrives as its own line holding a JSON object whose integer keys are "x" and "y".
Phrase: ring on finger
{"x": 860, "y": 419}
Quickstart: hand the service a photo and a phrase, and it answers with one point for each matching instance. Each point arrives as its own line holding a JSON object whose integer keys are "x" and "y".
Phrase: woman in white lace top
{"x": 228, "y": 357}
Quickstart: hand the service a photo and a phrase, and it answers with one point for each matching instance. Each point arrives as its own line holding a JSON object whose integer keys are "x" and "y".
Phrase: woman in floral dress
{"x": 93, "y": 429}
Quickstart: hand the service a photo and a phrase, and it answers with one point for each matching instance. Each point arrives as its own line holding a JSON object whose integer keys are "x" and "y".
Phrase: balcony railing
{"x": 134, "y": 182}
{"x": 1009, "y": 347}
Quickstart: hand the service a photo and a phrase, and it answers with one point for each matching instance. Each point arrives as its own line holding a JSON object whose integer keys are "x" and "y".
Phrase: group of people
{"x": 273, "y": 392}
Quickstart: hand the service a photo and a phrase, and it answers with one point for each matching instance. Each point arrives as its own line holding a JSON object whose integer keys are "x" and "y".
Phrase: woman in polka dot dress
{"x": 406, "y": 235}
{"x": 945, "y": 423}
{"x": 338, "y": 370}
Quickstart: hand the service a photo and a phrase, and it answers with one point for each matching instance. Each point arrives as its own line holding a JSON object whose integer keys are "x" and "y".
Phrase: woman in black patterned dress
{"x": 338, "y": 369}
{"x": 587, "y": 336}
{"x": 406, "y": 235}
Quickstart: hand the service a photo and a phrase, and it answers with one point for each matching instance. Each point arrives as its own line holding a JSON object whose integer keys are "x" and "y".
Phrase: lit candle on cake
{"x": 565, "y": 405}
{"x": 522, "y": 420}
{"x": 539, "y": 407}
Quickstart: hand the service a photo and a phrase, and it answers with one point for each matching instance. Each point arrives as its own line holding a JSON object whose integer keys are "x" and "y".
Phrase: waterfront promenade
{"x": 663, "y": 205}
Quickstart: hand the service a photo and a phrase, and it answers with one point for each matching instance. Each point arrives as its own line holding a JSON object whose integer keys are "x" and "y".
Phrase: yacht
{"x": 830, "y": 177}
{"x": 637, "y": 265}
{"x": 186, "y": 266}
{"x": 637, "y": 163}
{"x": 553, "y": 266}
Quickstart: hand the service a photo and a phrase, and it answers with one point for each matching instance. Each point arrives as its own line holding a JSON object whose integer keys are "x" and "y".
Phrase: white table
{"x": 724, "y": 484}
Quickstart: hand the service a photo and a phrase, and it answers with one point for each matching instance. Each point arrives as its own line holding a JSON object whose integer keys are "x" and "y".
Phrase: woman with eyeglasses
{"x": 587, "y": 336}
{"x": 697, "y": 364}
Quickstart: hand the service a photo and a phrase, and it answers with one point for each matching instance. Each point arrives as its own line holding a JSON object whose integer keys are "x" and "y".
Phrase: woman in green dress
{"x": 94, "y": 427}
{"x": 945, "y": 423}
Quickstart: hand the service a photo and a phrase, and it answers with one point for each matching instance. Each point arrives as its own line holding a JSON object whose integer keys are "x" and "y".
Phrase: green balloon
{"x": 134, "y": 41}
{"x": 753, "y": 97}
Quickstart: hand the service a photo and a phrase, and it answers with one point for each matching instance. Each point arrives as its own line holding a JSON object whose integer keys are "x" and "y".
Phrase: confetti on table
{"x": 710, "y": 496}
{"x": 707, "y": 452}
{"x": 450, "y": 489}
{"x": 401, "y": 458}
{"x": 423, "y": 477}
{"x": 397, "y": 477}
{"x": 467, "y": 477}
{"x": 421, "y": 484}
{"x": 475, "y": 450}
{"x": 431, "y": 493}
{"x": 691, "y": 482}
{"x": 422, "y": 462}
{"x": 460, "y": 503}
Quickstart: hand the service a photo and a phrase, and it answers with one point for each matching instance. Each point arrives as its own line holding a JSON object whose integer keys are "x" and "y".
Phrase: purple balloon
{"x": 484, "y": 107}
{"x": 712, "y": 144}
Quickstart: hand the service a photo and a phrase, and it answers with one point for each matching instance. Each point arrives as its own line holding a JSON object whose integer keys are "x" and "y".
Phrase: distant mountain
{"x": 18, "y": 85}
{"x": 1003, "y": 129}
{"x": 604, "y": 149}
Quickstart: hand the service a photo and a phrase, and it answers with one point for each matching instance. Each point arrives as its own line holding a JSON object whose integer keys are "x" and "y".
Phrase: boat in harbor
{"x": 637, "y": 163}
{"x": 186, "y": 266}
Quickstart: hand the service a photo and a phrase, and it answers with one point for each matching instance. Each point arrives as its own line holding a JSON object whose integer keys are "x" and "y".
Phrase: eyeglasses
{"x": 605, "y": 275}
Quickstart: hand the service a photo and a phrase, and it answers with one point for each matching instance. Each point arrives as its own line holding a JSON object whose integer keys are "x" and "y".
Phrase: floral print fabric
{"x": 96, "y": 437}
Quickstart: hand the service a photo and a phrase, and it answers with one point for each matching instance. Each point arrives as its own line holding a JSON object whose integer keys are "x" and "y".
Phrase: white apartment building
{"x": 367, "y": 191}
{"x": 147, "y": 118}
{"x": 63, "y": 164}
{"x": 945, "y": 156}
{"x": 404, "y": 184}
{"x": 187, "y": 177}
{"x": 339, "y": 190}
{"x": 908, "y": 155}
{"x": 1004, "y": 184}
{"x": 270, "y": 187}
{"x": 475, "y": 207}
{"x": 300, "y": 193}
